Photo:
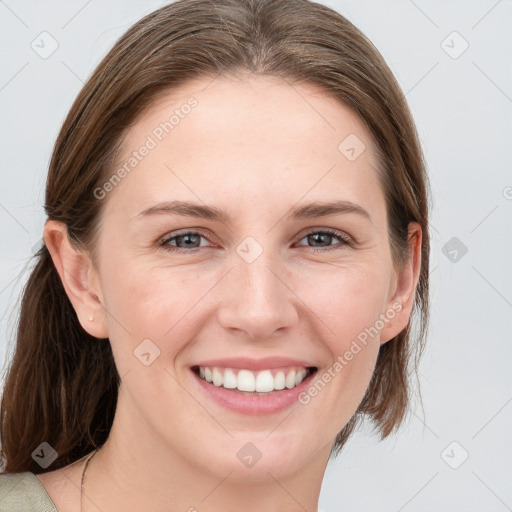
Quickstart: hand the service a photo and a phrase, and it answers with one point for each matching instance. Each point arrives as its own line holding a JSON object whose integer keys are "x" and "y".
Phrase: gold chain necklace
{"x": 82, "y": 486}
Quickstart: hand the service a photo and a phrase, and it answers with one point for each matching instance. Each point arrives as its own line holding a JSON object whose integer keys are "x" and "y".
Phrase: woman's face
{"x": 213, "y": 264}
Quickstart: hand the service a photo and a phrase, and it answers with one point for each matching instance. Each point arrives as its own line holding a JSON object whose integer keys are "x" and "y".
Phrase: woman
{"x": 237, "y": 236}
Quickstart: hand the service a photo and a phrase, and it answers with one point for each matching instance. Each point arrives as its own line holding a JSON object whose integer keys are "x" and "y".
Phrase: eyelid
{"x": 320, "y": 229}
{"x": 345, "y": 239}
{"x": 169, "y": 236}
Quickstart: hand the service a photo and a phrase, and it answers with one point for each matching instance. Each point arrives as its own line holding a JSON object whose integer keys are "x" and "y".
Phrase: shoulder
{"x": 20, "y": 492}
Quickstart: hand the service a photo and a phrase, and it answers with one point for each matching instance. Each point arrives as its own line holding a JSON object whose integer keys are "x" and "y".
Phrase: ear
{"x": 399, "y": 307}
{"x": 78, "y": 278}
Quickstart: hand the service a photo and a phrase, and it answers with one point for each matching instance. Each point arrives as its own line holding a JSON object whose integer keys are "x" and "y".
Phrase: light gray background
{"x": 463, "y": 110}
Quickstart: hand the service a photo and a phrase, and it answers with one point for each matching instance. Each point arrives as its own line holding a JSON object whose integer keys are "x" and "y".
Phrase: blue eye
{"x": 327, "y": 235}
{"x": 190, "y": 241}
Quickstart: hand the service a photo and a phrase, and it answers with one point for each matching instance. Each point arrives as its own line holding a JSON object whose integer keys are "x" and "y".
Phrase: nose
{"x": 259, "y": 299}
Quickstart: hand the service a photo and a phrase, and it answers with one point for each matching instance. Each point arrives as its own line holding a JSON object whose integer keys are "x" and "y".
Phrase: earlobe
{"x": 74, "y": 268}
{"x": 405, "y": 290}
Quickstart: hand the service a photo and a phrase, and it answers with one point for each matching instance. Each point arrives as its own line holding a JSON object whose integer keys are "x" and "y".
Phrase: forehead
{"x": 230, "y": 139}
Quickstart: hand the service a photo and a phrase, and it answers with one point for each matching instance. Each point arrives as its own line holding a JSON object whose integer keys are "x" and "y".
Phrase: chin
{"x": 260, "y": 456}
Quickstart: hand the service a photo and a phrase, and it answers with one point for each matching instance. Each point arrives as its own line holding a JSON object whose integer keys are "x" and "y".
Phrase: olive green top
{"x": 24, "y": 492}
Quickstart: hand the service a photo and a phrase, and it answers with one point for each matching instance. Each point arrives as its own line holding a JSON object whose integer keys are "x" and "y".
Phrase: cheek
{"x": 346, "y": 299}
{"x": 335, "y": 394}
{"x": 348, "y": 303}
{"x": 154, "y": 303}
{"x": 153, "y": 316}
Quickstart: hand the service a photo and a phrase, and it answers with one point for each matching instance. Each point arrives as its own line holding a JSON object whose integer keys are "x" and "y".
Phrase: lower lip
{"x": 253, "y": 405}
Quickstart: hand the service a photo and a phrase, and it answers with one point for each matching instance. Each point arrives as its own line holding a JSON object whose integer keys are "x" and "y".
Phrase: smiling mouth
{"x": 263, "y": 382}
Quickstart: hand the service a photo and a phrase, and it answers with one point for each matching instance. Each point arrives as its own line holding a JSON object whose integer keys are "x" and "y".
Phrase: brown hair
{"x": 61, "y": 386}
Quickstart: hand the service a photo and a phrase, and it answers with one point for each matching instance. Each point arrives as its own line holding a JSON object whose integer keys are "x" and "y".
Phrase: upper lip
{"x": 247, "y": 363}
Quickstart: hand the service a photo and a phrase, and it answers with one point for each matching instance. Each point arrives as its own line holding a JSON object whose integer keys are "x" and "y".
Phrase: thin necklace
{"x": 82, "y": 486}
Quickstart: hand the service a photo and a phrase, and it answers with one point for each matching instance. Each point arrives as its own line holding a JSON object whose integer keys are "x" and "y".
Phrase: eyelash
{"x": 344, "y": 239}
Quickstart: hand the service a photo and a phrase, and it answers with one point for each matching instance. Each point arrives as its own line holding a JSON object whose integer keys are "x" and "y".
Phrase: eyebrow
{"x": 308, "y": 211}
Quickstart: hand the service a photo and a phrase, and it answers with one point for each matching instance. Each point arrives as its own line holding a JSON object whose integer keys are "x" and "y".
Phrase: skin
{"x": 254, "y": 147}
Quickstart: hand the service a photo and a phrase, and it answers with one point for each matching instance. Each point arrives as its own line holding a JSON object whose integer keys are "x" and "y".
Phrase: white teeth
{"x": 279, "y": 381}
{"x": 300, "y": 376}
{"x": 217, "y": 377}
{"x": 290, "y": 380}
{"x": 230, "y": 380}
{"x": 260, "y": 382}
{"x": 246, "y": 381}
{"x": 264, "y": 382}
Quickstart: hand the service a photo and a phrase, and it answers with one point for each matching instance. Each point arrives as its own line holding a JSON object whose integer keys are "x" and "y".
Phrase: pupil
{"x": 187, "y": 239}
{"x": 316, "y": 236}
